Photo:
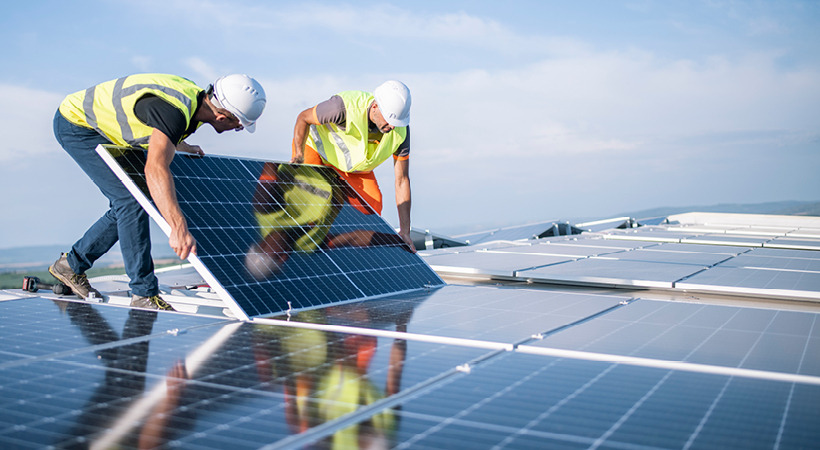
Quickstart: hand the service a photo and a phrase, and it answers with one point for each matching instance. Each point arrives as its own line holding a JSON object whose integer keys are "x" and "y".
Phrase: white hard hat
{"x": 261, "y": 265}
{"x": 393, "y": 98}
{"x": 241, "y": 95}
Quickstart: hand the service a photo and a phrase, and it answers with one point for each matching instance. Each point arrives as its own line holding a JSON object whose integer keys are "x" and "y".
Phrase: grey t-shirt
{"x": 333, "y": 110}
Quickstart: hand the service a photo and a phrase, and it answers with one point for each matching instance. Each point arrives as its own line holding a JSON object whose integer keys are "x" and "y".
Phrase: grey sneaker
{"x": 78, "y": 283}
{"x": 153, "y": 302}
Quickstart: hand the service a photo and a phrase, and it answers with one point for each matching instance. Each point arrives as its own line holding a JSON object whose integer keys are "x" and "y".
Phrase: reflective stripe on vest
{"x": 308, "y": 207}
{"x": 340, "y": 144}
{"x": 180, "y": 89}
{"x": 349, "y": 150}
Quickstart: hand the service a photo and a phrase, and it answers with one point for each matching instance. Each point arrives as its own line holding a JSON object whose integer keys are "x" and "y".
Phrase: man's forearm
{"x": 303, "y": 121}
{"x": 161, "y": 186}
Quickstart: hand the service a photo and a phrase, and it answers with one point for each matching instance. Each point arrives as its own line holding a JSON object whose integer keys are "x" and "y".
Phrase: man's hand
{"x": 187, "y": 148}
{"x": 405, "y": 236}
{"x": 298, "y": 157}
{"x": 401, "y": 169}
{"x": 304, "y": 120}
{"x": 182, "y": 242}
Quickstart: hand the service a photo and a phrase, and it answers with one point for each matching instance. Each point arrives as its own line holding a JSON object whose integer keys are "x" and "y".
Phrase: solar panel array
{"x": 428, "y": 365}
{"x": 457, "y": 366}
{"x": 725, "y": 259}
{"x": 273, "y": 237}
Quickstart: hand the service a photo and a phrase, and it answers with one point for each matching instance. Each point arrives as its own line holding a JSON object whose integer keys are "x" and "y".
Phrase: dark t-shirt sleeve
{"x": 157, "y": 113}
{"x": 332, "y": 110}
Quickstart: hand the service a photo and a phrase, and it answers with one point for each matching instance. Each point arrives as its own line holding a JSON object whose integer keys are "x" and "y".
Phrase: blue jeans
{"x": 125, "y": 221}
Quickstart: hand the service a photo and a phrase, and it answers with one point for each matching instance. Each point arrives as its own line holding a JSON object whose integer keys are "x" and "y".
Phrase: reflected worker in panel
{"x": 326, "y": 376}
{"x": 155, "y": 112}
{"x": 295, "y": 207}
{"x": 354, "y": 132}
{"x": 323, "y": 377}
{"x": 125, "y": 364}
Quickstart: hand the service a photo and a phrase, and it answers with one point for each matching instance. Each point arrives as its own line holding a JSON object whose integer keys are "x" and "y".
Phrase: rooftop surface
{"x": 698, "y": 332}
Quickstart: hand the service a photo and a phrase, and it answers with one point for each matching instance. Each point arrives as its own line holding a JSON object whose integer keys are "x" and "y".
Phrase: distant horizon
{"x": 159, "y": 239}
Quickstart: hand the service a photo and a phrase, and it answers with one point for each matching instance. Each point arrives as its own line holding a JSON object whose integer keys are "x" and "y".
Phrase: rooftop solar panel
{"x": 702, "y": 248}
{"x": 410, "y": 370}
{"x": 611, "y": 271}
{"x": 653, "y": 234}
{"x": 495, "y": 263}
{"x": 799, "y": 244}
{"x": 563, "y": 249}
{"x": 675, "y": 257}
{"x": 724, "y": 239}
{"x": 273, "y": 237}
{"x": 504, "y": 316}
{"x": 524, "y": 401}
{"x": 523, "y": 232}
{"x": 601, "y": 241}
{"x": 752, "y": 260}
{"x": 761, "y": 339}
{"x": 111, "y": 376}
{"x": 756, "y": 281}
{"x": 812, "y": 233}
{"x": 784, "y": 253}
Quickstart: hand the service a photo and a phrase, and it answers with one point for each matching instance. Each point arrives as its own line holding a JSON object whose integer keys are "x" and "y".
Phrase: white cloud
{"x": 27, "y": 132}
{"x": 204, "y": 70}
{"x": 142, "y": 63}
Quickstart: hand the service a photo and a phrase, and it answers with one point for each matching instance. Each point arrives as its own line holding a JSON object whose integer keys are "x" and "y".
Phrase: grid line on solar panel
{"x": 787, "y": 408}
{"x": 758, "y": 282}
{"x": 472, "y": 427}
{"x": 702, "y": 335}
{"x": 658, "y": 403}
{"x": 264, "y": 230}
{"x": 479, "y": 314}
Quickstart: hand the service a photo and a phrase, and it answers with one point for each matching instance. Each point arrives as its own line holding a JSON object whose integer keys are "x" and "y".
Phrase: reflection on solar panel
{"x": 518, "y": 365}
{"x": 273, "y": 237}
{"x": 459, "y": 366}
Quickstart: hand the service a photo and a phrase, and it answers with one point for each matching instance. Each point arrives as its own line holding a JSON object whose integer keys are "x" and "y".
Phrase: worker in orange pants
{"x": 354, "y": 132}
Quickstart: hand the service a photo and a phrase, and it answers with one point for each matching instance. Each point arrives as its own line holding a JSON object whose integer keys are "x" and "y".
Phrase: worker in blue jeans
{"x": 156, "y": 112}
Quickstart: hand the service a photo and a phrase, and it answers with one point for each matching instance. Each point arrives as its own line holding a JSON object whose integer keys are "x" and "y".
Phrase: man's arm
{"x": 304, "y": 120}
{"x": 401, "y": 167}
{"x": 161, "y": 185}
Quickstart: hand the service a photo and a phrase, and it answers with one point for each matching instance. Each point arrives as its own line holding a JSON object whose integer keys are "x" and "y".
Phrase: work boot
{"x": 62, "y": 271}
{"x": 152, "y": 302}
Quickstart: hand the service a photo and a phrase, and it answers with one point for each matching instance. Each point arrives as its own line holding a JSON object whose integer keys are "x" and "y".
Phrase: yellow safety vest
{"x": 350, "y": 150}
{"x": 343, "y": 391}
{"x": 308, "y": 206}
{"x": 108, "y": 107}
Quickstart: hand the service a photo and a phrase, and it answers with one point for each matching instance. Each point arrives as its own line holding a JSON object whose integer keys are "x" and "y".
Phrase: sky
{"x": 522, "y": 111}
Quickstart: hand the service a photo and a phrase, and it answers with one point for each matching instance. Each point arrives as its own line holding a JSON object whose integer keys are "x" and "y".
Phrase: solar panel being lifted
{"x": 273, "y": 237}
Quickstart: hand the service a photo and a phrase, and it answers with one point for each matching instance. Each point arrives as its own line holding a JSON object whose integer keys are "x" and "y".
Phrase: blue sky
{"x": 523, "y": 111}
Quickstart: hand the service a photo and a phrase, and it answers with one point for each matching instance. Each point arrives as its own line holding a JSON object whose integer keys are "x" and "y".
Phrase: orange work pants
{"x": 364, "y": 183}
